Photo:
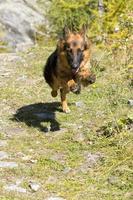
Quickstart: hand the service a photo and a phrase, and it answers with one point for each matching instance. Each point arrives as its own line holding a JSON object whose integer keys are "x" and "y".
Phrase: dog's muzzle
{"x": 75, "y": 70}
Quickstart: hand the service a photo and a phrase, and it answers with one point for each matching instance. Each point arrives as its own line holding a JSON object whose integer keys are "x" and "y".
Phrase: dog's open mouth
{"x": 75, "y": 70}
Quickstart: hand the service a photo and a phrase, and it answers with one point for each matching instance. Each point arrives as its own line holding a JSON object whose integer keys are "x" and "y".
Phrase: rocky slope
{"x": 19, "y": 20}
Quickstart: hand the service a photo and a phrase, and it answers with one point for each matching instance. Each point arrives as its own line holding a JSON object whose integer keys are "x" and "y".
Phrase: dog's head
{"x": 74, "y": 44}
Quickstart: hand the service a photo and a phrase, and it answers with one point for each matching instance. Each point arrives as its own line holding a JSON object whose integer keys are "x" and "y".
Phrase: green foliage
{"x": 68, "y": 13}
{"x": 114, "y": 21}
{"x": 3, "y": 45}
{"x": 114, "y": 127}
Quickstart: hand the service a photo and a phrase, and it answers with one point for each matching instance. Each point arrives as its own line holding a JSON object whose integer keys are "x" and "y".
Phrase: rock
{"x": 33, "y": 161}
{"x": 55, "y": 198}
{"x": 11, "y": 131}
{"x": 67, "y": 170}
{"x": 19, "y": 181}
{"x": 3, "y": 143}
{"x": 58, "y": 157}
{"x": 113, "y": 180}
{"x": 130, "y": 102}
{"x": 3, "y": 155}
{"x": 80, "y": 126}
{"x": 79, "y": 104}
{"x": 34, "y": 186}
{"x": 79, "y": 137}
{"x": 26, "y": 158}
{"x": 15, "y": 188}
{"x": 129, "y": 195}
{"x": 8, "y": 164}
{"x": 117, "y": 29}
{"x": 5, "y": 58}
{"x": 51, "y": 180}
{"x": 18, "y": 21}
{"x": 93, "y": 158}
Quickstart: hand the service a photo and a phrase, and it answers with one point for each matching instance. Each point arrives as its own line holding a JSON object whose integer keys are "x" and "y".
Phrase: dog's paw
{"x": 66, "y": 110}
{"x": 88, "y": 80}
{"x": 76, "y": 89}
{"x": 91, "y": 79}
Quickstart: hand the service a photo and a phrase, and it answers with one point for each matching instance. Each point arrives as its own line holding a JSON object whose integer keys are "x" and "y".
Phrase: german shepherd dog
{"x": 67, "y": 68}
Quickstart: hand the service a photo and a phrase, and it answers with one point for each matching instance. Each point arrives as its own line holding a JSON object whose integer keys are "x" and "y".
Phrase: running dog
{"x": 68, "y": 67}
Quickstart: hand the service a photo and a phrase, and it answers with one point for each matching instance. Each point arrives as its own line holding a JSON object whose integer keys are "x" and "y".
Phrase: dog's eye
{"x": 65, "y": 46}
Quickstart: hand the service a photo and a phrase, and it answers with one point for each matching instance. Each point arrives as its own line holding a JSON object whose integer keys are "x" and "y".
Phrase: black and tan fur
{"x": 68, "y": 66}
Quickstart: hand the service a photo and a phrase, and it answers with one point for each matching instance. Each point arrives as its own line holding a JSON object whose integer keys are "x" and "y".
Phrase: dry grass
{"x": 58, "y": 160}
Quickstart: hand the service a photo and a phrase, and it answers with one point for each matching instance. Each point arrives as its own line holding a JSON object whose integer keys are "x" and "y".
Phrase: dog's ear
{"x": 87, "y": 43}
{"x": 61, "y": 44}
{"x": 83, "y": 30}
{"x": 66, "y": 32}
{"x": 83, "y": 33}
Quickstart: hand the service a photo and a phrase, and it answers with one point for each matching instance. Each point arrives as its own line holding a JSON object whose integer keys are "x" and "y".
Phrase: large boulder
{"x": 19, "y": 20}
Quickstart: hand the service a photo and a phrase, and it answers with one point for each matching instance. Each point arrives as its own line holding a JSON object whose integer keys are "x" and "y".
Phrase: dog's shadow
{"x": 35, "y": 115}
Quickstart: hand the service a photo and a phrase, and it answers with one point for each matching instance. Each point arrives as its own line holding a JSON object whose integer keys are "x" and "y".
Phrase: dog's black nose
{"x": 75, "y": 65}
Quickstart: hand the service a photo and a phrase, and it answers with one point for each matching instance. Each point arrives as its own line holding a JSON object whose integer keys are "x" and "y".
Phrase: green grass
{"x": 57, "y": 159}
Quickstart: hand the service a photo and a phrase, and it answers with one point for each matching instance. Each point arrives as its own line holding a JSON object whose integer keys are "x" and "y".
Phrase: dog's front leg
{"x": 63, "y": 92}
{"x": 74, "y": 87}
{"x": 86, "y": 77}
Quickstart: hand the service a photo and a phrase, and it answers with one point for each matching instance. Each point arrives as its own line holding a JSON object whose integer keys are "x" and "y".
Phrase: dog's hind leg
{"x": 63, "y": 92}
{"x": 55, "y": 88}
{"x": 54, "y": 93}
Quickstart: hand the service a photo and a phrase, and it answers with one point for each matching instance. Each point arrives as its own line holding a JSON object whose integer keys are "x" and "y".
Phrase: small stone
{"x": 26, "y": 158}
{"x": 129, "y": 195}
{"x": 67, "y": 170}
{"x": 23, "y": 77}
{"x": 130, "y": 102}
{"x": 33, "y": 161}
{"x": 113, "y": 180}
{"x": 51, "y": 180}
{"x": 89, "y": 142}
{"x": 34, "y": 186}
{"x": 58, "y": 157}
{"x": 55, "y": 198}
{"x": 3, "y": 143}
{"x": 79, "y": 104}
{"x": 3, "y": 155}
{"x": 13, "y": 131}
{"x": 15, "y": 188}
{"x": 93, "y": 158}
{"x": 8, "y": 164}
{"x": 79, "y": 137}
{"x": 80, "y": 126}
{"x": 116, "y": 29}
{"x": 19, "y": 181}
